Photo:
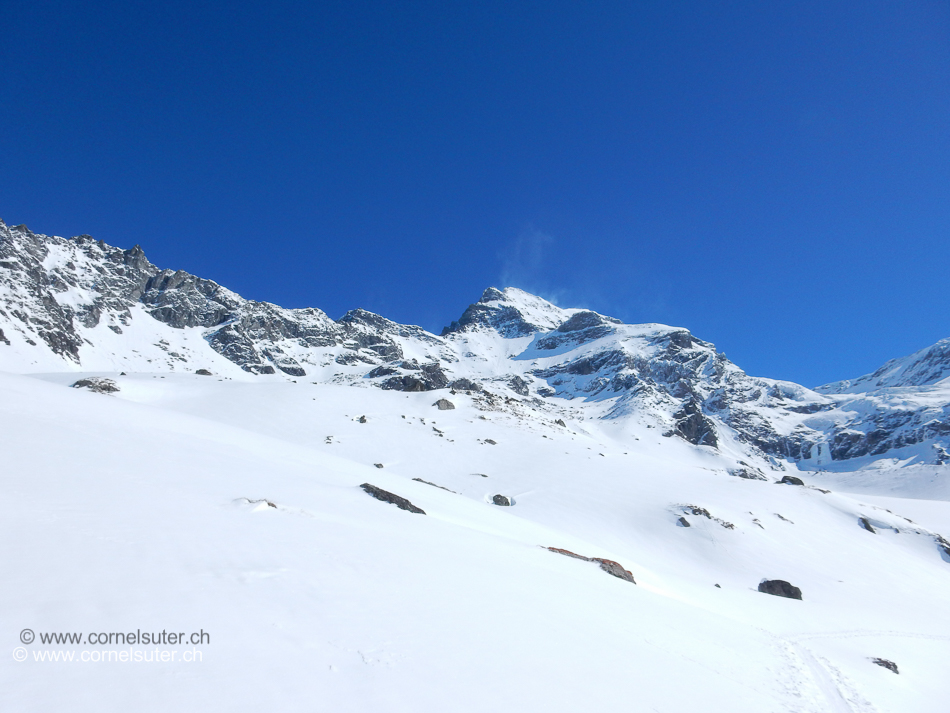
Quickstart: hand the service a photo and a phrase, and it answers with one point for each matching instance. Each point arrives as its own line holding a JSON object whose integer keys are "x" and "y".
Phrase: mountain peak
{"x": 511, "y": 313}
{"x": 492, "y": 294}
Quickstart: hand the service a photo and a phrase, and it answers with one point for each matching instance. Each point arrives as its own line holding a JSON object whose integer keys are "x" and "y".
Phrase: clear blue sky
{"x": 773, "y": 176}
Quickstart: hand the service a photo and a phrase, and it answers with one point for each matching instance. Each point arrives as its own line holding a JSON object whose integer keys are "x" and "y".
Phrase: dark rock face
{"x": 609, "y": 566}
{"x": 465, "y": 385}
{"x": 683, "y": 522}
{"x": 581, "y": 328}
{"x": 863, "y": 522}
{"x": 204, "y": 372}
{"x": 518, "y": 385}
{"x": 388, "y": 497}
{"x": 4, "y": 339}
{"x": 791, "y": 480}
{"x": 780, "y": 588}
{"x": 885, "y": 432}
{"x": 585, "y": 320}
{"x": 97, "y": 385}
{"x": 428, "y": 377}
{"x": 501, "y": 500}
{"x": 889, "y": 665}
{"x": 695, "y": 427}
{"x": 444, "y": 405}
{"x": 404, "y": 383}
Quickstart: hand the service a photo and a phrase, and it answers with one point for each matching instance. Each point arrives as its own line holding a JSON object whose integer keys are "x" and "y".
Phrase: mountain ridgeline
{"x": 84, "y": 306}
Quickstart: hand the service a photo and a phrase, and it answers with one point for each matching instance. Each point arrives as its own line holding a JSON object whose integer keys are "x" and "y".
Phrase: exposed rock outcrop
{"x": 392, "y": 498}
{"x": 97, "y": 385}
{"x": 609, "y": 566}
{"x": 884, "y": 663}
{"x": 420, "y": 480}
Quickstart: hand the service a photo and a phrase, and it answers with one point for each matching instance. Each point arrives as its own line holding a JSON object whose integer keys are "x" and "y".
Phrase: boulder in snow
{"x": 779, "y": 588}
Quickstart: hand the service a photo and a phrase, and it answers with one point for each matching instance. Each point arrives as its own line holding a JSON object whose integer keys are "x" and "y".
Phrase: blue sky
{"x": 773, "y": 176}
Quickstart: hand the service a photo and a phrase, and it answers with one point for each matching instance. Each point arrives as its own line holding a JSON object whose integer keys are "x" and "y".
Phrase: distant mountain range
{"x": 81, "y": 305}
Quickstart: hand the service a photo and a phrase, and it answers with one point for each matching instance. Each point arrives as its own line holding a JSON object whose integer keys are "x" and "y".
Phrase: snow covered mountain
{"x": 538, "y": 509}
{"x": 927, "y": 367}
{"x": 85, "y": 306}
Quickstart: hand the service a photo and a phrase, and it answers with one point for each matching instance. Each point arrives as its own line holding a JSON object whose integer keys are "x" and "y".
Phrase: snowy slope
{"x": 230, "y": 502}
{"x": 131, "y": 511}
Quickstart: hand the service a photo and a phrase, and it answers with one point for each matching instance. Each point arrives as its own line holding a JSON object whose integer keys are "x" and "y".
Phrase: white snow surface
{"x": 148, "y": 510}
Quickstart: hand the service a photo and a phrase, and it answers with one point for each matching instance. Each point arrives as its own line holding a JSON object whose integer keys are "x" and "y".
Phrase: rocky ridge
{"x": 76, "y": 304}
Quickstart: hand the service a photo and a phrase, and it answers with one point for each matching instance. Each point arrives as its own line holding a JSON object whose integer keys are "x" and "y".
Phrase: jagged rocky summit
{"x": 79, "y": 304}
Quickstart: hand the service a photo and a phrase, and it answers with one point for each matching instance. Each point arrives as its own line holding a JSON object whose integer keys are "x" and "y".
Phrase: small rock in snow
{"x": 97, "y": 385}
{"x": 420, "y": 480}
{"x": 889, "y": 665}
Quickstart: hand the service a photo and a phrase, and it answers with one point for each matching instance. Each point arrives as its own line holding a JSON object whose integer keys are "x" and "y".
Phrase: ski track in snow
{"x": 840, "y": 696}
